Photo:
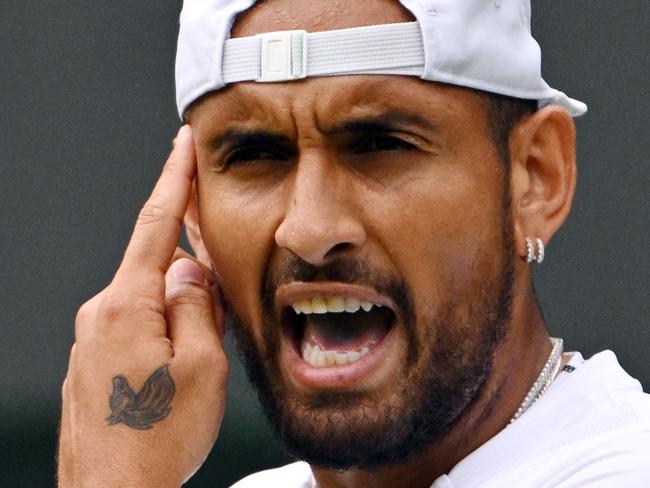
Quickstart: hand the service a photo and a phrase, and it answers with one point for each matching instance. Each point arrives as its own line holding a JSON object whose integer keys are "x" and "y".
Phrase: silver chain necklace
{"x": 544, "y": 380}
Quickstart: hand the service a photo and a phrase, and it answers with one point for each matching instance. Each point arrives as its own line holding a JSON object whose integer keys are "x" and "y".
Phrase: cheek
{"x": 238, "y": 233}
{"x": 443, "y": 231}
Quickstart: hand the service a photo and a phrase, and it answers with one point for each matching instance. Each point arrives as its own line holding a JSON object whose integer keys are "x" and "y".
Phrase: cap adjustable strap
{"x": 291, "y": 55}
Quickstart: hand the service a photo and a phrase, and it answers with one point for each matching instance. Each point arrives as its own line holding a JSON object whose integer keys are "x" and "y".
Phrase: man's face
{"x": 380, "y": 190}
{"x": 331, "y": 193}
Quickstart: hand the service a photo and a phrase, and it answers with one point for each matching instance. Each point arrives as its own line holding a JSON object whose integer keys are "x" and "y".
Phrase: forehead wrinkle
{"x": 318, "y": 106}
{"x": 247, "y": 107}
{"x": 376, "y": 96}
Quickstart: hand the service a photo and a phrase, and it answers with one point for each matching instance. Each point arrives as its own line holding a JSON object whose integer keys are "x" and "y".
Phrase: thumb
{"x": 189, "y": 307}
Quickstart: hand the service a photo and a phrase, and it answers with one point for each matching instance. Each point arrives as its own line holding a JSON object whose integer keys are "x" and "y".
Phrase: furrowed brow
{"x": 235, "y": 137}
{"x": 384, "y": 122}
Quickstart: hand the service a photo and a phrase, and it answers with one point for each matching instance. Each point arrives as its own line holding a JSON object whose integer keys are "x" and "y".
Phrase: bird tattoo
{"x": 140, "y": 410}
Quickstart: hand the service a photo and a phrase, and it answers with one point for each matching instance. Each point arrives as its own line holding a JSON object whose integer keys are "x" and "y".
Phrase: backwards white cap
{"x": 481, "y": 44}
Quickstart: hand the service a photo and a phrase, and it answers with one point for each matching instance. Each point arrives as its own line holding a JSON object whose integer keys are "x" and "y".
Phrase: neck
{"x": 517, "y": 364}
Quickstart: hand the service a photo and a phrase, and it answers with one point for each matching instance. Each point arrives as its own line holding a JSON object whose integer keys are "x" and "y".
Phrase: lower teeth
{"x": 319, "y": 358}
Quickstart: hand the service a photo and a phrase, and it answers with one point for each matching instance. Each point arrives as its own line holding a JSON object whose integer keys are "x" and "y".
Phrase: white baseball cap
{"x": 481, "y": 44}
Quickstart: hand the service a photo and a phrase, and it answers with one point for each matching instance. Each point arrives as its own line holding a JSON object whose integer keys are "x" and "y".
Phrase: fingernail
{"x": 186, "y": 271}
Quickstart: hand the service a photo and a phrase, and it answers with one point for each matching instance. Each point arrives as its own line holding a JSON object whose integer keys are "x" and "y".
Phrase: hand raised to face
{"x": 145, "y": 391}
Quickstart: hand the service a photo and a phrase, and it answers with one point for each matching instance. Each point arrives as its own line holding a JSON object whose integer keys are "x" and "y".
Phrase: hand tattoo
{"x": 140, "y": 410}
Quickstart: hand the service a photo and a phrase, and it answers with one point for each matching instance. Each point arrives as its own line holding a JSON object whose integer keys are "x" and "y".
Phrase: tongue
{"x": 343, "y": 332}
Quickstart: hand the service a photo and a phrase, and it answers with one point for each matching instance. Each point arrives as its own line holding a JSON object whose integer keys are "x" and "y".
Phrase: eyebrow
{"x": 249, "y": 137}
{"x": 382, "y": 122}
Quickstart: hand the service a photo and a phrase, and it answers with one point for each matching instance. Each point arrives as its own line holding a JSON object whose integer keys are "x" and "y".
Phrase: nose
{"x": 321, "y": 221}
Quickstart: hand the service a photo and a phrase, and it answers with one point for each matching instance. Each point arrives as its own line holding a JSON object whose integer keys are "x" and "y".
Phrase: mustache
{"x": 344, "y": 269}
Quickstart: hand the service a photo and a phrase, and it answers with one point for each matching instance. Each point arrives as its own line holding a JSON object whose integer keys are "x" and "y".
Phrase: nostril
{"x": 315, "y": 234}
{"x": 339, "y": 248}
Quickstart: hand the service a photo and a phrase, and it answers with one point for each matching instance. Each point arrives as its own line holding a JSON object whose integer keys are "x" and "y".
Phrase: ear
{"x": 543, "y": 174}
{"x": 193, "y": 230}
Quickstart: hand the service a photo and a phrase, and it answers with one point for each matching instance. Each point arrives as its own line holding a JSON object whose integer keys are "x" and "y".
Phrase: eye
{"x": 251, "y": 154}
{"x": 382, "y": 142}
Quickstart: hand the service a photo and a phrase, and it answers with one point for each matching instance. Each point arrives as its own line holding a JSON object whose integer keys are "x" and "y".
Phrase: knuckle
{"x": 171, "y": 166}
{"x": 87, "y": 309}
{"x": 84, "y": 312}
{"x": 191, "y": 295}
{"x": 82, "y": 319}
{"x": 123, "y": 306}
{"x": 87, "y": 314}
{"x": 152, "y": 212}
{"x": 113, "y": 307}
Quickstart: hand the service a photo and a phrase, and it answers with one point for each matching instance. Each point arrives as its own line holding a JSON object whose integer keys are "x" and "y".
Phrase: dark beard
{"x": 444, "y": 372}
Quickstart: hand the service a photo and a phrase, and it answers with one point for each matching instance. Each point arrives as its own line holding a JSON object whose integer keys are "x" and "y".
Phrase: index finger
{"x": 158, "y": 227}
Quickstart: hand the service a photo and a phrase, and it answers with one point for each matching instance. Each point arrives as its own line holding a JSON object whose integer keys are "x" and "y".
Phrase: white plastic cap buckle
{"x": 284, "y": 56}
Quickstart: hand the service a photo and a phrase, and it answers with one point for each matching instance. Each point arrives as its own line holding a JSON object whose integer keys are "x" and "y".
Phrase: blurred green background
{"x": 86, "y": 118}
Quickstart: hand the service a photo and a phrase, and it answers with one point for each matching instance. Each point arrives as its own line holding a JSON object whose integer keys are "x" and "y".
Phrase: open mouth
{"x": 336, "y": 331}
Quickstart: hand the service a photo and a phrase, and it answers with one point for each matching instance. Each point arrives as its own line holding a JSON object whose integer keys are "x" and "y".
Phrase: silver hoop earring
{"x": 530, "y": 256}
{"x": 540, "y": 251}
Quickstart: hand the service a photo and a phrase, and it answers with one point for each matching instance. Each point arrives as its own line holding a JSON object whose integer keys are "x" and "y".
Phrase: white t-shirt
{"x": 590, "y": 429}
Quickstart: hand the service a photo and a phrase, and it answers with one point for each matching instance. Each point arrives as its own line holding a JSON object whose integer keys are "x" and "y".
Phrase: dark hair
{"x": 503, "y": 114}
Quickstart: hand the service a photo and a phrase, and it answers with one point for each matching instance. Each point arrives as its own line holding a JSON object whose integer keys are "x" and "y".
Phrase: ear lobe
{"x": 543, "y": 174}
{"x": 193, "y": 230}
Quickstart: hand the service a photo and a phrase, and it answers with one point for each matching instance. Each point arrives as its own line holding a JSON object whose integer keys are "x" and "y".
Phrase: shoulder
{"x": 611, "y": 460}
{"x": 608, "y": 383}
{"x": 592, "y": 428}
{"x": 595, "y": 428}
{"x": 295, "y": 475}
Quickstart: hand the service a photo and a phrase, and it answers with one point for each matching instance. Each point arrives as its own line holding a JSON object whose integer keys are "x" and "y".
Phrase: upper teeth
{"x": 332, "y": 304}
